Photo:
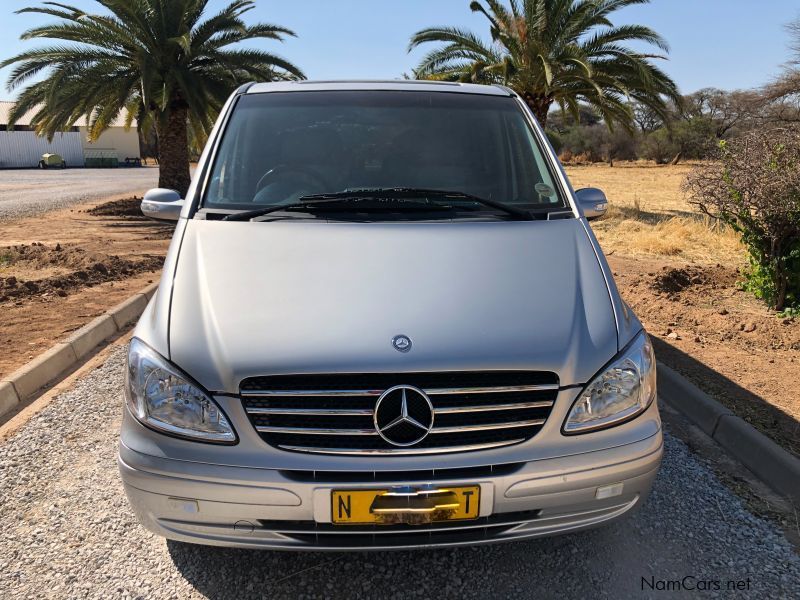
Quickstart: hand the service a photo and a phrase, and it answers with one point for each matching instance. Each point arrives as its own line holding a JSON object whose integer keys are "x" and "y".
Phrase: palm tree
{"x": 161, "y": 60}
{"x": 565, "y": 52}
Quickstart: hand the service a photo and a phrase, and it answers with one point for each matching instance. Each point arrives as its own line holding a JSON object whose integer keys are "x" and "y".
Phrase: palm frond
{"x": 141, "y": 51}
{"x": 565, "y": 52}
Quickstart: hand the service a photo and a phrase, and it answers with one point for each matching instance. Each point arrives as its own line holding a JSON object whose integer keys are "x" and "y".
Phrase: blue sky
{"x": 721, "y": 43}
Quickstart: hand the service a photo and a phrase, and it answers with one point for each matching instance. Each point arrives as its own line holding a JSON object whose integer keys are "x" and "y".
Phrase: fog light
{"x": 609, "y": 491}
{"x": 243, "y": 527}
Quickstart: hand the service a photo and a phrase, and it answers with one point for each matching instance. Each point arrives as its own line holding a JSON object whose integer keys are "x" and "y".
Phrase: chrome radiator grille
{"x": 334, "y": 414}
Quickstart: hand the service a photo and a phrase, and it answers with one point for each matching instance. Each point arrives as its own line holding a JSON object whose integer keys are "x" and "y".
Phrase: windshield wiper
{"x": 400, "y": 197}
{"x": 429, "y": 194}
{"x": 342, "y": 203}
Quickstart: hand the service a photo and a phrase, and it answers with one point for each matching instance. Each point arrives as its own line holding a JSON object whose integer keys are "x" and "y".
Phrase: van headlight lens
{"x": 163, "y": 398}
{"x": 621, "y": 391}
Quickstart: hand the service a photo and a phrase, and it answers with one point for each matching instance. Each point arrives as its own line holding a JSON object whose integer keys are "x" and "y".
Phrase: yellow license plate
{"x": 391, "y": 506}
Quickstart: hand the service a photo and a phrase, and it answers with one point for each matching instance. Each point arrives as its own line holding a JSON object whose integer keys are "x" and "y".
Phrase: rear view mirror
{"x": 162, "y": 204}
{"x": 593, "y": 202}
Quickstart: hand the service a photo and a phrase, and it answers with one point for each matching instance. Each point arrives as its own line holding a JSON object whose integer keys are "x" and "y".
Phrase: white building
{"x": 22, "y": 148}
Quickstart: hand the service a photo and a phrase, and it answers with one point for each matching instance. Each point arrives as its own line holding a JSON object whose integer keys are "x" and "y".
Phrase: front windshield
{"x": 281, "y": 146}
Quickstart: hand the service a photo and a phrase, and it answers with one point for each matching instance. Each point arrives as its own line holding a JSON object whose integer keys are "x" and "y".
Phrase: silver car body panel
{"x": 297, "y": 297}
{"x": 253, "y": 299}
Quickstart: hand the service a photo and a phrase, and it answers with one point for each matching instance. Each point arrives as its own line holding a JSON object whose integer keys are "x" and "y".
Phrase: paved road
{"x": 26, "y": 192}
{"x": 67, "y": 532}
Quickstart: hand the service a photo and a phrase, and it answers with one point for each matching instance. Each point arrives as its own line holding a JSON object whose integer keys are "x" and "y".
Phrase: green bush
{"x": 597, "y": 143}
{"x": 659, "y": 146}
{"x": 689, "y": 139}
{"x": 754, "y": 186}
{"x": 763, "y": 280}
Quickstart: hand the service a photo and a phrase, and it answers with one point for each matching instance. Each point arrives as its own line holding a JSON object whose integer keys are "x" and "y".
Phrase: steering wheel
{"x": 302, "y": 175}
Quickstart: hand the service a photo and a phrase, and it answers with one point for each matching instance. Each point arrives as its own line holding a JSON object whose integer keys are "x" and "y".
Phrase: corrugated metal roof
{"x": 5, "y": 108}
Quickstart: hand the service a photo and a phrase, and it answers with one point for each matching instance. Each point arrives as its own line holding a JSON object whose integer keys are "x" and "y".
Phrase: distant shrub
{"x": 658, "y": 146}
{"x": 685, "y": 139}
{"x": 566, "y": 156}
{"x": 583, "y": 159}
{"x": 596, "y": 143}
{"x": 754, "y": 186}
{"x": 694, "y": 138}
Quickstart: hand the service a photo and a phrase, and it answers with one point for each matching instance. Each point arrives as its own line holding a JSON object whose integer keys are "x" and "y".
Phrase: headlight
{"x": 163, "y": 398}
{"x": 620, "y": 392}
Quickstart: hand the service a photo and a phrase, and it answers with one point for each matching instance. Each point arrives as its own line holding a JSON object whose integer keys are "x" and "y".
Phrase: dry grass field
{"x": 649, "y": 215}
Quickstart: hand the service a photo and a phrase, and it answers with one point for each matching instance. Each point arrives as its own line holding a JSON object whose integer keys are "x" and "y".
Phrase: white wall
{"x": 25, "y": 148}
{"x": 114, "y": 140}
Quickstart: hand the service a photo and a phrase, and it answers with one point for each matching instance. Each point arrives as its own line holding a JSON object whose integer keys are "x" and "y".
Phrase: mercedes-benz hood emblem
{"x": 401, "y": 343}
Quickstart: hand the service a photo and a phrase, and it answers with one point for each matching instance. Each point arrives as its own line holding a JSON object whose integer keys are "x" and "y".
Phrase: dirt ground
{"x": 678, "y": 271}
{"x": 61, "y": 269}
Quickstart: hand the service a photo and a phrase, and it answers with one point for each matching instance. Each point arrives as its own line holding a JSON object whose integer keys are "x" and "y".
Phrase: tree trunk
{"x": 148, "y": 145}
{"x": 173, "y": 149}
{"x": 540, "y": 106}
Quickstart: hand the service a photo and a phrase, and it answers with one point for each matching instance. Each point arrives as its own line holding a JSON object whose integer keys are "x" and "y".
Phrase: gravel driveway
{"x": 27, "y": 192}
{"x": 68, "y": 532}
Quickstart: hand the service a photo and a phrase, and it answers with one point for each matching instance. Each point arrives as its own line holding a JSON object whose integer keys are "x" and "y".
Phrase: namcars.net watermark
{"x": 693, "y": 583}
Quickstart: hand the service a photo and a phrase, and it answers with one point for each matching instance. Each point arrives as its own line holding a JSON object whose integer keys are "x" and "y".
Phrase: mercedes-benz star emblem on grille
{"x": 403, "y": 415}
{"x": 401, "y": 343}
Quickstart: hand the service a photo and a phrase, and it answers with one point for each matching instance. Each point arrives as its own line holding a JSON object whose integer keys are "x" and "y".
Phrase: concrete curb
{"x": 8, "y": 397}
{"x": 58, "y": 361}
{"x": 767, "y": 460}
{"x": 702, "y": 409}
{"x": 128, "y": 311}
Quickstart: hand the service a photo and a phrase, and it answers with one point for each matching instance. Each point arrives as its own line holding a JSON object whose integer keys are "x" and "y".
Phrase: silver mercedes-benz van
{"x": 384, "y": 322}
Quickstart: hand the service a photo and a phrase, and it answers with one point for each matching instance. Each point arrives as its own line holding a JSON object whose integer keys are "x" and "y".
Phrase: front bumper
{"x": 253, "y": 507}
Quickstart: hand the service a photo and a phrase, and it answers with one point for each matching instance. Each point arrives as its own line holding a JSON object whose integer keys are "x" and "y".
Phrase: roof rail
{"x": 403, "y": 81}
{"x": 242, "y": 89}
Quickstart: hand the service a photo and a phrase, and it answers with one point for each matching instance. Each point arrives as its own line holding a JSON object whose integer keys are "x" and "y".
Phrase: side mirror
{"x": 593, "y": 202}
{"x": 162, "y": 204}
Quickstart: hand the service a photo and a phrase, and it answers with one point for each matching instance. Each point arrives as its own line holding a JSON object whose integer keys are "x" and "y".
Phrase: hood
{"x": 314, "y": 297}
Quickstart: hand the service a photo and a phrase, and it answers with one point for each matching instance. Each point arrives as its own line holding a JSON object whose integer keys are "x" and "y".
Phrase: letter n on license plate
{"x": 414, "y": 506}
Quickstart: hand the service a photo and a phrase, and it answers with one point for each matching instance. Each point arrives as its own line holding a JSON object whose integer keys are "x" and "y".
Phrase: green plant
{"x": 790, "y": 313}
{"x": 565, "y": 52}
{"x": 754, "y": 186}
{"x": 659, "y": 146}
{"x": 776, "y": 281}
{"x": 158, "y": 59}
